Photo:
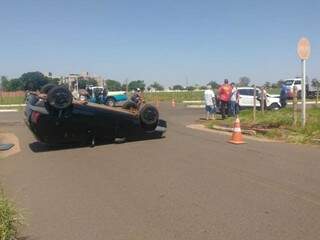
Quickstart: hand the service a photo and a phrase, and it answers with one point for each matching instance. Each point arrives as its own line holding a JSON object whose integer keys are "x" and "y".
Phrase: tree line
{"x": 35, "y": 80}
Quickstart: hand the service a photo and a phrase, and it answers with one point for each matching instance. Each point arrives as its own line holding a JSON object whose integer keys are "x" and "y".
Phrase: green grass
{"x": 12, "y": 100}
{"x": 279, "y": 124}
{"x": 10, "y": 219}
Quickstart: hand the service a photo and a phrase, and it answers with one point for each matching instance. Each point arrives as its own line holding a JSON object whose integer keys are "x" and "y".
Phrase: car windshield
{"x": 288, "y": 82}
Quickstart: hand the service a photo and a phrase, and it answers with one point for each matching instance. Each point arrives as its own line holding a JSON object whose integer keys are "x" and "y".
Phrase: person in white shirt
{"x": 209, "y": 99}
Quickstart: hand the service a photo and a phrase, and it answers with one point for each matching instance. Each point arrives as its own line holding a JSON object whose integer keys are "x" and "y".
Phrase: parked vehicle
{"x": 246, "y": 98}
{"x": 311, "y": 91}
{"x": 56, "y": 118}
{"x": 100, "y": 95}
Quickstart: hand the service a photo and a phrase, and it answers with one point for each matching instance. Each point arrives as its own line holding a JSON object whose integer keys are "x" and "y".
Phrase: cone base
{"x": 236, "y": 142}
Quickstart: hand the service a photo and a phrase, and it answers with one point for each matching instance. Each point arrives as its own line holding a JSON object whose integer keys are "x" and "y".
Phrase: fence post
{"x": 295, "y": 106}
{"x": 254, "y": 103}
{"x": 262, "y": 100}
{"x": 317, "y": 99}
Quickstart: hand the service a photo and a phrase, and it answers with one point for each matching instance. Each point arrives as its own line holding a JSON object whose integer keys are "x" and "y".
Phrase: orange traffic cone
{"x": 236, "y": 135}
{"x": 173, "y": 103}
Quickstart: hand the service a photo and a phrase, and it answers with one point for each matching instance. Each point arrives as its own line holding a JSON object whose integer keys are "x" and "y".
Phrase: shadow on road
{"x": 38, "y": 147}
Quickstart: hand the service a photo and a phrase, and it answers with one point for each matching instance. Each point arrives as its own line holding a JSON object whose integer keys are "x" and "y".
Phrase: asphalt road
{"x": 189, "y": 185}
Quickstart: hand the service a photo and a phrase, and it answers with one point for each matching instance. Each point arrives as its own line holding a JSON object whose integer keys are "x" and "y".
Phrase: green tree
{"x": 33, "y": 80}
{"x": 177, "y": 87}
{"x": 314, "y": 82}
{"x": 136, "y": 84}
{"x": 213, "y": 84}
{"x": 267, "y": 85}
{"x": 54, "y": 80}
{"x": 190, "y": 88}
{"x": 157, "y": 86}
{"x": 84, "y": 82}
{"x": 244, "y": 81}
{"x": 113, "y": 85}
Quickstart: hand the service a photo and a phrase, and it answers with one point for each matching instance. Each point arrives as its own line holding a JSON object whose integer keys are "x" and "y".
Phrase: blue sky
{"x": 164, "y": 41}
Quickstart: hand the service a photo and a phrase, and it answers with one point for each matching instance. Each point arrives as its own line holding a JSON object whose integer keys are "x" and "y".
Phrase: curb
{"x": 204, "y": 129}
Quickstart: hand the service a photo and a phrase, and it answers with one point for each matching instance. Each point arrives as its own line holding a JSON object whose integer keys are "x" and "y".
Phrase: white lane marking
{"x": 8, "y": 110}
{"x": 12, "y": 105}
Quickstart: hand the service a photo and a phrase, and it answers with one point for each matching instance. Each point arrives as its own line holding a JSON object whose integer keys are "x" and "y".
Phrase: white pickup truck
{"x": 290, "y": 83}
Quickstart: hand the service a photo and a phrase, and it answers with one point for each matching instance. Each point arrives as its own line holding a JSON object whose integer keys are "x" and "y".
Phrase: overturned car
{"x": 55, "y": 118}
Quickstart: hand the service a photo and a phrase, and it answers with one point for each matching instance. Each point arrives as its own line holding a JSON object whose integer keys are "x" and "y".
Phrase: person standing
{"x": 233, "y": 111}
{"x": 224, "y": 97}
{"x": 209, "y": 99}
{"x": 283, "y": 96}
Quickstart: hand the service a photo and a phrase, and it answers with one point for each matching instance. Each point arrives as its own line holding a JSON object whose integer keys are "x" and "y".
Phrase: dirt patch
{"x": 9, "y": 138}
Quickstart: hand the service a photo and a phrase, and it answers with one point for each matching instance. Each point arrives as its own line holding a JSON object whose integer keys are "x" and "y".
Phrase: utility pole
{"x": 304, "y": 50}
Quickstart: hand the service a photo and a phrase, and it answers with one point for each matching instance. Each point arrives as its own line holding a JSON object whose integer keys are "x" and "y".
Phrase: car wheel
{"x": 46, "y": 88}
{"x": 111, "y": 102}
{"x": 149, "y": 117}
{"x": 129, "y": 105}
{"x": 274, "y": 106}
{"x": 59, "y": 97}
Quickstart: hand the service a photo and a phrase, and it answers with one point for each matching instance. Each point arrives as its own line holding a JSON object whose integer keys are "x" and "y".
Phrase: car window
{"x": 297, "y": 82}
{"x": 288, "y": 82}
{"x": 246, "y": 92}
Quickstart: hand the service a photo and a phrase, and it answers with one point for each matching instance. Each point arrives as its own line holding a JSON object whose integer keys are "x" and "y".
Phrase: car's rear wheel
{"x": 149, "y": 117}
{"x": 46, "y": 88}
{"x": 129, "y": 105}
{"x": 59, "y": 98}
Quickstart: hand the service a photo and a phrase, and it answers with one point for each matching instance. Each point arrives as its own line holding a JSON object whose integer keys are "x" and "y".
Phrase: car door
{"x": 244, "y": 97}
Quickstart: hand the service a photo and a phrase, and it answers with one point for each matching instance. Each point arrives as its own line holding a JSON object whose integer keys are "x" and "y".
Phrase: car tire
{"x": 275, "y": 106}
{"x": 111, "y": 102}
{"x": 149, "y": 117}
{"x": 129, "y": 105}
{"x": 59, "y": 98}
{"x": 46, "y": 88}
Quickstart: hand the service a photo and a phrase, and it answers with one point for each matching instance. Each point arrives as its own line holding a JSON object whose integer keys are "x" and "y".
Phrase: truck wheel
{"x": 59, "y": 97}
{"x": 111, "y": 102}
{"x": 46, "y": 88}
{"x": 149, "y": 117}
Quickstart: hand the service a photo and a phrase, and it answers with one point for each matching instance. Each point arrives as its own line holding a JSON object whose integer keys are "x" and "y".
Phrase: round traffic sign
{"x": 304, "y": 48}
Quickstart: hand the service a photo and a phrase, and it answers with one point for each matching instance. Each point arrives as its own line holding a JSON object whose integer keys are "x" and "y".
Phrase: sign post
{"x": 304, "y": 50}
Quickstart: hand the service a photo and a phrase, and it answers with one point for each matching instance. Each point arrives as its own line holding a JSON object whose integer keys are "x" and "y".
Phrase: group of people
{"x": 227, "y": 100}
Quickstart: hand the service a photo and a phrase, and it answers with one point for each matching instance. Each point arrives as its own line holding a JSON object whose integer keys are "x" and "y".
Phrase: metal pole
{"x": 295, "y": 108}
{"x": 317, "y": 99}
{"x": 254, "y": 103}
{"x": 303, "y": 95}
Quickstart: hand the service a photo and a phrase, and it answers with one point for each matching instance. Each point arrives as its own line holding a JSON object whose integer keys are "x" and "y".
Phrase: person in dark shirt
{"x": 137, "y": 97}
{"x": 283, "y": 96}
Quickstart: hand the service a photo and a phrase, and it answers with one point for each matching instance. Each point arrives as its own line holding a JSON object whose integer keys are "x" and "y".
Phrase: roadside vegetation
{"x": 5, "y": 100}
{"x": 10, "y": 219}
{"x": 278, "y": 125}
{"x": 177, "y": 96}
